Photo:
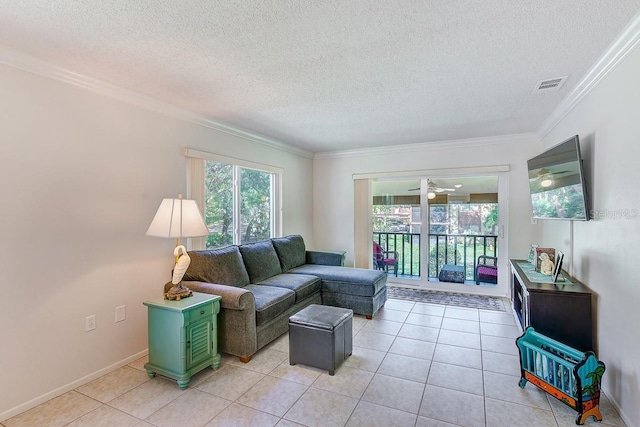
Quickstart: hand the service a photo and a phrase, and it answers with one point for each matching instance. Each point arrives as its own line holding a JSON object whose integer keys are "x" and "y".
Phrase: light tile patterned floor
{"x": 414, "y": 364}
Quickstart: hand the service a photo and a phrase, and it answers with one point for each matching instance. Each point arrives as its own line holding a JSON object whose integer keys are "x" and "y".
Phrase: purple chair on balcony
{"x": 382, "y": 259}
{"x": 487, "y": 269}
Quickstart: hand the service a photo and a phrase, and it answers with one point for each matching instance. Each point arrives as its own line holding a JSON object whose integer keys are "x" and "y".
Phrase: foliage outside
{"x": 219, "y": 204}
{"x": 563, "y": 202}
{"x": 255, "y": 204}
{"x": 462, "y": 233}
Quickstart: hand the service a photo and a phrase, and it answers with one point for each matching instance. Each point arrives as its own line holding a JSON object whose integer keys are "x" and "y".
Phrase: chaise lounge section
{"x": 262, "y": 284}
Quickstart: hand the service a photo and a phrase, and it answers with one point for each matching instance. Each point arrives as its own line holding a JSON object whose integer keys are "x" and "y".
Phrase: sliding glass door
{"x": 397, "y": 226}
{"x": 463, "y": 226}
{"x": 440, "y": 222}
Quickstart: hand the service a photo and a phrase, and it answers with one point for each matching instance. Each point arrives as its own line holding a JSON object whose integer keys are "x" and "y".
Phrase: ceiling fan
{"x": 546, "y": 176}
{"x": 544, "y": 172}
{"x": 432, "y": 187}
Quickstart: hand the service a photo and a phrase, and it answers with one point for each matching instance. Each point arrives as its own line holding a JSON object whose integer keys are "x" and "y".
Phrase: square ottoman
{"x": 321, "y": 336}
{"x": 451, "y": 273}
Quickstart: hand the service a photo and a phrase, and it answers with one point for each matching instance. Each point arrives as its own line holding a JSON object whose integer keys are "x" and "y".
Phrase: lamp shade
{"x": 178, "y": 218}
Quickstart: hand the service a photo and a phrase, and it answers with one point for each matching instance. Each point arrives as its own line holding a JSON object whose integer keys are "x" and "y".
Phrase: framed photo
{"x": 543, "y": 256}
{"x": 558, "y": 267}
{"x": 532, "y": 254}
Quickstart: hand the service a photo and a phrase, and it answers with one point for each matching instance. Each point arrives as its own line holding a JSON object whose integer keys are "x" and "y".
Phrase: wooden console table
{"x": 562, "y": 311}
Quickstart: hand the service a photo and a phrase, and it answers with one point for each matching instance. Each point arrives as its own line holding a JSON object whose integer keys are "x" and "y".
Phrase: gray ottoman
{"x": 321, "y": 336}
{"x": 451, "y": 273}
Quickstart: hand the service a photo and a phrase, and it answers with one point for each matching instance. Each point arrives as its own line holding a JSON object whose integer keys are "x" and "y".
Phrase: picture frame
{"x": 558, "y": 267}
{"x": 532, "y": 254}
{"x": 551, "y": 252}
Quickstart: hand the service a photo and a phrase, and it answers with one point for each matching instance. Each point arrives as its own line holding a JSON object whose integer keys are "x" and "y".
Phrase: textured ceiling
{"x": 331, "y": 75}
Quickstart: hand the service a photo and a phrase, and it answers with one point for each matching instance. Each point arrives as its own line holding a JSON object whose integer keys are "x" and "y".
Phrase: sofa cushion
{"x": 260, "y": 260}
{"x": 302, "y": 284}
{"x": 271, "y": 301}
{"x": 223, "y": 266}
{"x": 346, "y": 280}
{"x": 291, "y": 251}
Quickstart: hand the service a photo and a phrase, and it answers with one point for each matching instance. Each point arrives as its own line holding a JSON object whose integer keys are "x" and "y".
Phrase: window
{"x": 241, "y": 199}
{"x": 218, "y": 198}
{"x": 238, "y": 204}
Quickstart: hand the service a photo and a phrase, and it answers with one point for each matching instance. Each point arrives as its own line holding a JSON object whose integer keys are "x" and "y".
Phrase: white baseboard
{"x": 68, "y": 387}
{"x": 624, "y": 417}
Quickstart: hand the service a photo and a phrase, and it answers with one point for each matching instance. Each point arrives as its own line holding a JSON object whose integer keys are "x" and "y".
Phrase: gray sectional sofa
{"x": 263, "y": 283}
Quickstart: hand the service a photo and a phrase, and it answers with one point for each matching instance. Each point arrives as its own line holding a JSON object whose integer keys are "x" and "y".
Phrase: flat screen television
{"x": 556, "y": 183}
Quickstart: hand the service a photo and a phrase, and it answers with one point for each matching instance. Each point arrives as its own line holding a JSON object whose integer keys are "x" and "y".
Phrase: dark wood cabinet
{"x": 561, "y": 311}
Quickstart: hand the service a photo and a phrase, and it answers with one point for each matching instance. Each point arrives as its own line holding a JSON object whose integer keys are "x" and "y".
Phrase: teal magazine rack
{"x": 567, "y": 374}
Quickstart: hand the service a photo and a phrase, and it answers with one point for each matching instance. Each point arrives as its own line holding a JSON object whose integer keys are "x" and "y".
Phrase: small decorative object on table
{"x": 550, "y": 256}
{"x": 546, "y": 265}
{"x": 182, "y": 263}
{"x": 532, "y": 254}
{"x": 558, "y": 268}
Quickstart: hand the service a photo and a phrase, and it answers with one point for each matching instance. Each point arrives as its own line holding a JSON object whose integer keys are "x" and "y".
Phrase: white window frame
{"x": 196, "y": 189}
{"x": 363, "y": 241}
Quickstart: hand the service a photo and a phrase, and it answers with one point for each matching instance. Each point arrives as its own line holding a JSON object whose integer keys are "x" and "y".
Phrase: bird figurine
{"x": 182, "y": 263}
{"x": 546, "y": 265}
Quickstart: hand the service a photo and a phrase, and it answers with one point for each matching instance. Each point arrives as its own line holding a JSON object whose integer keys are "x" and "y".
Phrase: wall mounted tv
{"x": 556, "y": 183}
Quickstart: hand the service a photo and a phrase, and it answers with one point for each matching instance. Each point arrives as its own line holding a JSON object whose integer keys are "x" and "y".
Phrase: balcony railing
{"x": 457, "y": 249}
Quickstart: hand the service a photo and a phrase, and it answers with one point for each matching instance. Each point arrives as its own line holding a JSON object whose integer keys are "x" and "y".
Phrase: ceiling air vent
{"x": 550, "y": 85}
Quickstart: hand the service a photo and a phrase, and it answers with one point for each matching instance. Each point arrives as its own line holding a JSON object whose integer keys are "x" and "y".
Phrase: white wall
{"x": 333, "y": 201}
{"x": 82, "y": 177}
{"x": 605, "y": 250}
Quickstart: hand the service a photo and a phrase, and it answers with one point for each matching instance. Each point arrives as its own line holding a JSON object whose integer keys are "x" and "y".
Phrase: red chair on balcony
{"x": 382, "y": 259}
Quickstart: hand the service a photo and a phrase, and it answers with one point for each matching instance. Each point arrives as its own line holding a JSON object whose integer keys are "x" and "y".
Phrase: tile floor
{"x": 414, "y": 364}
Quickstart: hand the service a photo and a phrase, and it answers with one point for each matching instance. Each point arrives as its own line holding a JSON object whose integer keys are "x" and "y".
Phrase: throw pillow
{"x": 260, "y": 260}
{"x": 223, "y": 266}
{"x": 291, "y": 251}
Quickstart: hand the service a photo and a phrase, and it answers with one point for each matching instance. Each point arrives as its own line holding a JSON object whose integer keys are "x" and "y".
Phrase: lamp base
{"x": 177, "y": 292}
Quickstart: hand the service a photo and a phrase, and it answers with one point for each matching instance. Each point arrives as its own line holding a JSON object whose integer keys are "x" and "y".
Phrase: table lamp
{"x": 177, "y": 218}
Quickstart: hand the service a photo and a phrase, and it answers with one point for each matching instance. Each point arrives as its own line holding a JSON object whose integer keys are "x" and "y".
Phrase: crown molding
{"x": 617, "y": 52}
{"x": 33, "y": 65}
{"x": 435, "y": 145}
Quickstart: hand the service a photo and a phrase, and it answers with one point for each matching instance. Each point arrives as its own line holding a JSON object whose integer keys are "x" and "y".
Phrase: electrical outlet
{"x": 120, "y": 313}
{"x": 90, "y": 323}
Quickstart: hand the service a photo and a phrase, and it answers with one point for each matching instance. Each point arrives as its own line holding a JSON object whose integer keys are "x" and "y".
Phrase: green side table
{"x": 183, "y": 337}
